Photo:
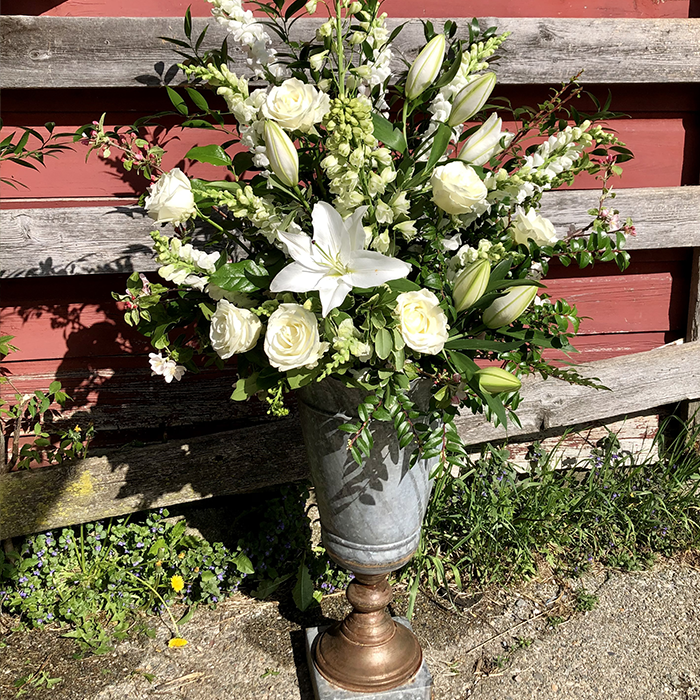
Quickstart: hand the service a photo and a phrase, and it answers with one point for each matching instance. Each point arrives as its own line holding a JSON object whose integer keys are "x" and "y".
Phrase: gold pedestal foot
{"x": 368, "y": 651}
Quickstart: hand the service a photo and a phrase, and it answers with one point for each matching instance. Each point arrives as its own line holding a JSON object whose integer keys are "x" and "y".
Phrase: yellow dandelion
{"x": 176, "y": 642}
{"x": 177, "y": 582}
{"x": 159, "y": 563}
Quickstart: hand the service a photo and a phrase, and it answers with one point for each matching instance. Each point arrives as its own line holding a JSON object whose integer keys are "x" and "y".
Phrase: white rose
{"x": 295, "y": 105}
{"x": 532, "y": 226}
{"x": 170, "y": 199}
{"x": 292, "y": 340}
{"x": 422, "y": 323}
{"x": 457, "y": 189}
{"x": 233, "y": 330}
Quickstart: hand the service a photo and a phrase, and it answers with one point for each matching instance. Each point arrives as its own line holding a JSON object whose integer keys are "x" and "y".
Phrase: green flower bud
{"x": 471, "y": 284}
{"x": 471, "y": 98}
{"x": 495, "y": 380}
{"x": 510, "y": 306}
{"x": 426, "y": 66}
{"x": 284, "y": 159}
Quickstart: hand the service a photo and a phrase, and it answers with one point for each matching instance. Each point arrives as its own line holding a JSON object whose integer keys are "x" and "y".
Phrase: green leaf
{"x": 245, "y": 387}
{"x": 157, "y": 545}
{"x": 463, "y": 364}
{"x": 303, "y": 593}
{"x": 383, "y": 343}
{"x": 267, "y": 587}
{"x": 177, "y": 100}
{"x": 403, "y": 285}
{"x": 385, "y": 132}
{"x": 476, "y": 344}
{"x": 440, "y": 143}
{"x": 213, "y": 154}
{"x": 197, "y": 98}
{"x": 233, "y": 278}
{"x": 243, "y": 564}
{"x": 294, "y": 8}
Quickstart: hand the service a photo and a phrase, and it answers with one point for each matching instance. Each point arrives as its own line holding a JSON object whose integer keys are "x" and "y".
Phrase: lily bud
{"x": 284, "y": 159}
{"x": 471, "y": 284}
{"x": 426, "y": 66}
{"x": 471, "y": 98}
{"x": 485, "y": 142}
{"x": 495, "y": 380}
{"x": 510, "y": 306}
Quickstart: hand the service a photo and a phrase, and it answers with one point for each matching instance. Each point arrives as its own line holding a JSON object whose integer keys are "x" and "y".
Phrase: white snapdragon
{"x": 251, "y": 33}
{"x": 165, "y": 367}
{"x": 531, "y": 226}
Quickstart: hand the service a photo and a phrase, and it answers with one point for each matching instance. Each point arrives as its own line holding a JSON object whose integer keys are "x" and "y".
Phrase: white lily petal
{"x": 298, "y": 244}
{"x": 333, "y": 292}
{"x": 369, "y": 268}
{"x": 329, "y": 228}
{"x": 354, "y": 227}
{"x": 296, "y": 278}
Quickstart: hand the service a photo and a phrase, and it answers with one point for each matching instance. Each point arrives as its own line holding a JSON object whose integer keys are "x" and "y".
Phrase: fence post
{"x": 691, "y": 410}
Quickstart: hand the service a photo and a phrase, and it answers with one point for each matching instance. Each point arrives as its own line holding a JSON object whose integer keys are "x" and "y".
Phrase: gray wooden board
{"x": 85, "y": 240}
{"x": 116, "y": 482}
{"x": 636, "y": 382}
{"x": 121, "y": 481}
{"x": 62, "y": 52}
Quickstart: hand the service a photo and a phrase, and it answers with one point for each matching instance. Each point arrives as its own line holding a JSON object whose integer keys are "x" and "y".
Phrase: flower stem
{"x": 159, "y": 596}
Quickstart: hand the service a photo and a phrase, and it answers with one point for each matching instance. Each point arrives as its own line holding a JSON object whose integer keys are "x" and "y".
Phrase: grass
{"x": 492, "y": 523}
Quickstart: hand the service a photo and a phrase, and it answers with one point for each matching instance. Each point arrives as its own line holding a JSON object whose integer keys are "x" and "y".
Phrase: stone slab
{"x": 420, "y": 688}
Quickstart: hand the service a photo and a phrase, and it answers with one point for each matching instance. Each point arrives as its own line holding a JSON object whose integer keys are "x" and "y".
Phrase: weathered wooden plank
{"x": 121, "y": 52}
{"x": 85, "y": 240}
{"x": 116, "y": 482}
{"x": 637, "y": 383}
{"x": 691, "y": 410}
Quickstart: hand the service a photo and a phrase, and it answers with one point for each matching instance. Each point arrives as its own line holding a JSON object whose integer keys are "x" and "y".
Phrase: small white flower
{"x": 530, "y": 226}
{"x": 165, "y": 367}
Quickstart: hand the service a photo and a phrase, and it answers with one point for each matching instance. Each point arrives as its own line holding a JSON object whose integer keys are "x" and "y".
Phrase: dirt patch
{"x": 642, "y": 640}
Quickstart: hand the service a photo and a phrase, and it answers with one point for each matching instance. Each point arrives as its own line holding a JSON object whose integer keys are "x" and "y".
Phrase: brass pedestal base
{"x": 368, "y": 652}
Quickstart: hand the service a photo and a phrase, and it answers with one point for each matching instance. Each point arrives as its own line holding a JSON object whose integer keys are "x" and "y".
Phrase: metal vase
{"x": 371, "y": 518}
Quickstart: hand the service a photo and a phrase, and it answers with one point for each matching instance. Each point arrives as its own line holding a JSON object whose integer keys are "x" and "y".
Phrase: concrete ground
{"x": 641, "y": 641}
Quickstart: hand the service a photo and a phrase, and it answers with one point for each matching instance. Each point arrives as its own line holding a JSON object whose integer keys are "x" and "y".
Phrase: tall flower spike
{"x": 335, "y": 260}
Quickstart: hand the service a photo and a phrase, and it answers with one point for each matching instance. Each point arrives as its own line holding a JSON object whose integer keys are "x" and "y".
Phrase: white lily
{"x": 335, "y": 260}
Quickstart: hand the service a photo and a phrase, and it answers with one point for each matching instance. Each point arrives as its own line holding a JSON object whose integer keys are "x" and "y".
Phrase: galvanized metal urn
{"x": 371, "y": 519}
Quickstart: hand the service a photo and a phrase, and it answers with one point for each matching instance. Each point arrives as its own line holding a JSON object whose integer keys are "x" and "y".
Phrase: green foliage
{"x": 100, "y": 580}
{"x": 492, "y": 522}
{"x": 29, "y": 414}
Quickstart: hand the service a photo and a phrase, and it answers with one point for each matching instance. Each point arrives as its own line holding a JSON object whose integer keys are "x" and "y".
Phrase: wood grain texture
{"x": 395, "y": 8}
{"x": 66, "y": 52}
{"x": 637, "y": 383}
{"x": 89, "y": 240}
{"x": 126, "y": 480}
{"x": 116, "y": 482}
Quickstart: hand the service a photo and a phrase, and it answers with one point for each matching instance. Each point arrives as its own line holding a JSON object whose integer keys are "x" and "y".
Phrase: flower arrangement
{"x": 370, "y": 224}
